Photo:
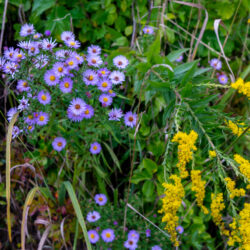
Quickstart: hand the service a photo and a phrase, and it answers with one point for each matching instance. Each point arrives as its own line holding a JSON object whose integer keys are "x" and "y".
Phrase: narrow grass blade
{"x": 78, "y": 212}
{"x": 44, "y": 237}
{"x": 113, "y": 156}
{"x": 8, "y": 165}
{"x": 27, "y": 203}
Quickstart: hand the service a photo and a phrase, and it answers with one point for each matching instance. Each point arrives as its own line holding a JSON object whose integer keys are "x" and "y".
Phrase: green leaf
{"x": 113, "y": 156}
{"x": 154, "y": 48}
{"x": 180, "y": 69}
{"x": 61, "y": 195}
{"x": 150, "y": 166}
{"x": 148, "y": 188}
{"x": 141, "y": 176}
{"x": 40, "y": 6}
{"x": 78, "y": 212}
{"x": 176, "y": 54}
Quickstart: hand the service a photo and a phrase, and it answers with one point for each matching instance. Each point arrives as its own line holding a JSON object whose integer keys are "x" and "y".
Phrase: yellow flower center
{"x": 32, "y": 49}
{"x": 19, "y": 55}
{"x": 147, "y": 30}
{"x": 66, "y": 84}
{"x": 41, "y": 118}
{"x": 59, "y": 144}
{"x": 110, "y": 91}
{"x": 92, "y": 236}
{"x": 131, "y": 118}
{"x": 108, "y": 235}
{"x": 30, "y": 127}
{"x": 103, "y": 72}
{"x": 95, "y": 148}
{"x": 70, "y": 63}
{"x": 93, "y": 60}
{"x": 105, "y": 99}
{"x": 120, "y": 63}
{"x": 30, "y": 117}
{"x": 44, "y": 97}
{"x": 25, "y": 84}
{"x": 104, "y": 84}
{"x": 60, "y": 69}
{"x": 72, "y": 43}
{"x": 86, "y": 112}
{"x": 52, "y": 78}
{"x": 90, "y": 78}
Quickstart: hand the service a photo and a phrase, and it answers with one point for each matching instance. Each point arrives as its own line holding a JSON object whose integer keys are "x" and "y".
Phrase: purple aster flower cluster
{"x": 148, "y": 30}
{"x": 81, "y": 85}
{"x": 133, "y": 238}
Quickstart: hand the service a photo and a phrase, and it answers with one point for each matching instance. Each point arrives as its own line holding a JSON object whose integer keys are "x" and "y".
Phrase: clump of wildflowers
{"x": 217, "y": 206}
{"x": 171, "y": 204}
{"x": 212, "y": 154}
{"x": 185, "y": 148}
{"x": 244, "y": 167}
{"x": 198, "y": 186}
{"x": 242, "y": 87}
{"x": 234, "y": 192}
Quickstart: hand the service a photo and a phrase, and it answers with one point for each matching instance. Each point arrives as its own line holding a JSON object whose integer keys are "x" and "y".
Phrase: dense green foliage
{"x": 168, "y": 97}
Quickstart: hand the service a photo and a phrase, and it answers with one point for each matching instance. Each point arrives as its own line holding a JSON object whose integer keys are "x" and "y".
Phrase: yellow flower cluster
{"x": 217, "y": 206}
{"x": 244, "y": 167}
{"x": 185, "y": 148}
{"x": 242, "y": 87}
{"x": 234, "y": 192}
{"x": 235, "y": 128}
{"x": 198, "y": 186}
{"x": 171, "y": 203}
{"x": 212, "y": 153}
{"x": 242, "y": 230}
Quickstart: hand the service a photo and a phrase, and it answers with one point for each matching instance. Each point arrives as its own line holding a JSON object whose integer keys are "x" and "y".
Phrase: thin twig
{"x": 3, "y": 25}
{"x": 134, "y": 25}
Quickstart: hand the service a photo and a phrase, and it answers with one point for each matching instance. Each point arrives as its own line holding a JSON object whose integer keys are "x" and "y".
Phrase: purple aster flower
{"x": 40, "y": 61}
{"x": 33, "y": 48}
{"x": 23, "y": 45}
{"x": 104, "y": 85}
{"x": 44, "y": 97}
{"x": 66, "y": 85}
{"x": 148, "y": 30}
{"x": 90, "y": 77}
{"x": 73, "y": 117}
{"x": 62, "y": 54}
{"x": 18, "y": 56}
{"x": 77, "y": 106}
{"x": 111, "y": 93}
{"x": 121, "y": 62}
{"x": 42, "y": 118}
{"x": 11, "y": 113}
{"x": 94, "y": 60}
{"x": 9, "y": 53}
{"x": 93, "y": 236}
{"x": 73, "y": 44}
{"x": 223, "y": 79}
{"x": 67, "y": 36}
{"x": 148, "y": 232}
{"x": 48, "y": 44}
{"x": 15, "y": 132}
{"x": 93, "y": 216}
{"x": 216, "y": 63}
{"x": 2, "y": 62}
{"x": 130, "y": 119}
{"x": 50, "y": 78}
{"x": 30, "y": 128}
{"x": 156, "y": 247}
{"x": 59, "y": 69}
{"x": 95, "y": 148}
{"x": 72, "y": 62}
{"x": 115, "y": 114}
{"x": 108, "y": 235}
{"x": 79, "y": 58}
{"x": 89, "y": 112}
{"x": 94, "y": 50}
{"x": 103, "y": 72}
{"x": 117, "y": 77}
{"x": 27, "y": 29}
{"x": 47, "y": 33}
{"x": 133, "y": 234}
{"x": 105, "y": 100}
{"x": 37, "y": 35}
{"x": 23, "y": 104}
{"x": 130, "y": 244}
{"x": 180, "y": 229}
{"x": 11, "y": 68}
{"x": 115, "y": 223}
{"x": 179, "y": 59}
{"x": 59, "y": 144}
{"x": 22, "y": 85}
{"x": 30, "y": 119}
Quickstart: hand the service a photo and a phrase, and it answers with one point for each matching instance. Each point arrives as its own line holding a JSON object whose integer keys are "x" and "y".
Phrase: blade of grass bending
{"x": 8, "y": 165}
{"x": 78, "y": 212}
{"x": 27, "y": 203}
{"x": 44, "y": 237}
